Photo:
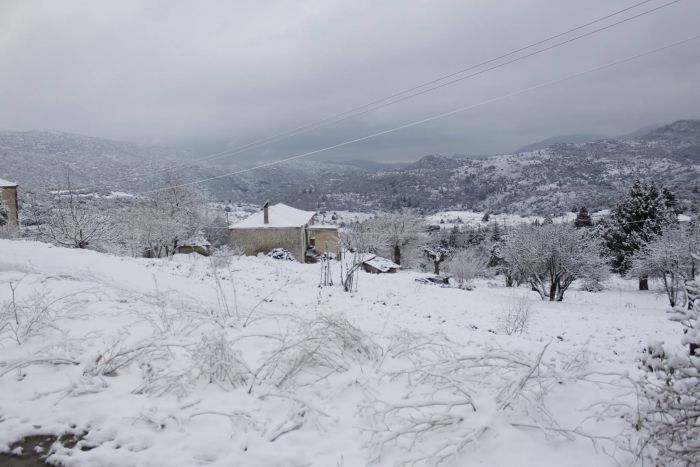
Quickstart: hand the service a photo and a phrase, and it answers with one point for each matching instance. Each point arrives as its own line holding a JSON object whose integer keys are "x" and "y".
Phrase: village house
{"x": 282, "y": 226}
{"x": 8, "y": 197}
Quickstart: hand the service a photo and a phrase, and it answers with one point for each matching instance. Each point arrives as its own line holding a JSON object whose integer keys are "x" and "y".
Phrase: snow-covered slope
{"x": 247, "y": 362}
{"x": 547, "y": 181}
{"x": 539, "y": 182}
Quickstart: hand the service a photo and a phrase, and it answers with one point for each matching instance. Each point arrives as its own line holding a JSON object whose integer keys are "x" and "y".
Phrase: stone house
{"x": 8, "y": 195}
{"x": 282, "y": 226}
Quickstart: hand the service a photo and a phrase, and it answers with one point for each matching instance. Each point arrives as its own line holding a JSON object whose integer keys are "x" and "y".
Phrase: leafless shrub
{"x": 159, "y": 381}
{"x": 515, "y": 318}
{"x": 219, "y": 363}
{"x": 74, "y": 220}
{"x": 24, "y": 317}
{"x": 434, "y": 420}
{"x": 117, "y": 355}
{"x": 670, "y": 420}
{"x": 467, "y": 265}
{"x": 220, "y": 261}
{"x": 319, "y": 347}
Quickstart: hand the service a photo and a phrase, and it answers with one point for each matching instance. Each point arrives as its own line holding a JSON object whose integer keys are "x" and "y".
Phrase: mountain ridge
{"x": 541, "y": 181}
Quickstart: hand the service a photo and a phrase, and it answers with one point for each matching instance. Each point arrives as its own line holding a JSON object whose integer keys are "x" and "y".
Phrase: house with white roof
{"x": 282, "y": 226}
{"x": 9, "y": 211}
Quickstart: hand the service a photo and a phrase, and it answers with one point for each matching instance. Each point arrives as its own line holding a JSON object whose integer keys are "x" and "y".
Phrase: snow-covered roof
{"x": 197, "y": 240}
{"x": 323, "y": 227}
{"x": 379, "y": 263}
{"x": 6, "y": 184}
{"x": 279, "y": 215}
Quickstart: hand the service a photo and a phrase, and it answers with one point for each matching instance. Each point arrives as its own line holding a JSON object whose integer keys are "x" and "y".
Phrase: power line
{"x": 428, "y": 119}
{"x": 418, "y": 89}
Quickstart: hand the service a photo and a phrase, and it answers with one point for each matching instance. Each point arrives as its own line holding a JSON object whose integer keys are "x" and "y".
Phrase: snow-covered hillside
{"x": 247, "y": 362}
{"x": 541, "y": 182}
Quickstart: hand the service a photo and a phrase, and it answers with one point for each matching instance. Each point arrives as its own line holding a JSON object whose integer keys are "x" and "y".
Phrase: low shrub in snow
{"x": 282, "y": 254}
{"x": 515, "y": 318}
{"x": 467, "y": 265}
{"x": 670, "y": 415}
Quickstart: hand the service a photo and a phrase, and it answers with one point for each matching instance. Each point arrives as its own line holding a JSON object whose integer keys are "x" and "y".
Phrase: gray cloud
{"x": 211, "y": 75}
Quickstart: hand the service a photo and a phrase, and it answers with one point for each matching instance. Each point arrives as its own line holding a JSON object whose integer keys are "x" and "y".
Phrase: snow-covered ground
{"x": 249, "y": 362}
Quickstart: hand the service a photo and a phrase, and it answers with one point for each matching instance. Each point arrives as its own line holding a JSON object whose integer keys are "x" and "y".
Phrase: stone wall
{"x": 326, "y": 240}
{"x": 254, "y": 241}
{"x": 9, "y": 196}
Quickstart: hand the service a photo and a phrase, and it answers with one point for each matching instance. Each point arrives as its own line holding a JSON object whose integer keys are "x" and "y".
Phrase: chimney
{"x": 266, "y": 215}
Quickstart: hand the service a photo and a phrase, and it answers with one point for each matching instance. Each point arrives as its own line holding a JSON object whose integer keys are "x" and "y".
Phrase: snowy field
{"x": 248, "y": 362}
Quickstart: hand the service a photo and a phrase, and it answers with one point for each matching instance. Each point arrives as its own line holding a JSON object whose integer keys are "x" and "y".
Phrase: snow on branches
{"x": 550, "y": 257}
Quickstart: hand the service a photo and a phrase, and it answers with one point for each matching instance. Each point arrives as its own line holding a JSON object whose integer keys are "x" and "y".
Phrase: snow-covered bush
{"x": 467, "y": 265}
{"x": 281, "y": 254}
{"x": 670, "y": 413}
{"x": 592, "y": 284}
{"x": 551, "y": 257}
{"x": 363, "y": 237}
{"x": 442, "y": 411}
{"x": 24, "y": 317}
{"x": 219, "y": 363}
{"x": 668, "y": 257}
{"x": 324, "y": 345}
{"x": 160, "y": 222}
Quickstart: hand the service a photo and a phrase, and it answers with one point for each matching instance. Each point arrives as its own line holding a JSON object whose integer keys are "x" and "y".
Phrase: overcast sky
{"x": 209, "y": 75}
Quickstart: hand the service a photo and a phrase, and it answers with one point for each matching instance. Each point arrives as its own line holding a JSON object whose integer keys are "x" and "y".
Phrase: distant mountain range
{"x": 547, "y": 180}
{"x": 574, "y": 139}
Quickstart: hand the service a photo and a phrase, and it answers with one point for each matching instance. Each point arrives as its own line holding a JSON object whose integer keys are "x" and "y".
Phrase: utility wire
{"x": 429, "y": 119}
{"x": 418, "y": 89}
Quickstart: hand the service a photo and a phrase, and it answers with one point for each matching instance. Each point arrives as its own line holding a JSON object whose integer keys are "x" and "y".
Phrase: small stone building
{"x": 377, "y": 265}
{"x": 8, "y": 195}
{"x": 197, "y": 244}
{"x": 282, "y": 226}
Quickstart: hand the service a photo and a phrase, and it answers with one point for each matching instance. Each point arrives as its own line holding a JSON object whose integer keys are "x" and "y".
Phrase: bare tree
{"x": 164, "y": 220}
{"x": 363, "y": 237}
{"x": 437, "y": 255}
{"x": 73, "y": 219}
{"x": 550, "y": 257}
{"x": 669, "y": 257}
{"x": 399, "y": 230}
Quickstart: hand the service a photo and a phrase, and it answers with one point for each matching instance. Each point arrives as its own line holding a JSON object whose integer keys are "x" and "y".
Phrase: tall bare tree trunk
{"x": 397, "y": 254}
{"x": 644, "y": 283}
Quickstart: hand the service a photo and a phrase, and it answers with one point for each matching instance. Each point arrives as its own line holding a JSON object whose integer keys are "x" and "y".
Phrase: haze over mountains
{"x": 545, "y": 180}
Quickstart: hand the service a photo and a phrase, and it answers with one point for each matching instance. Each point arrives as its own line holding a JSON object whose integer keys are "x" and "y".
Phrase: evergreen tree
{"x": 583, "y": 219}
{"x": 486, "y": 217}
{"x": 639, "y": 216}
